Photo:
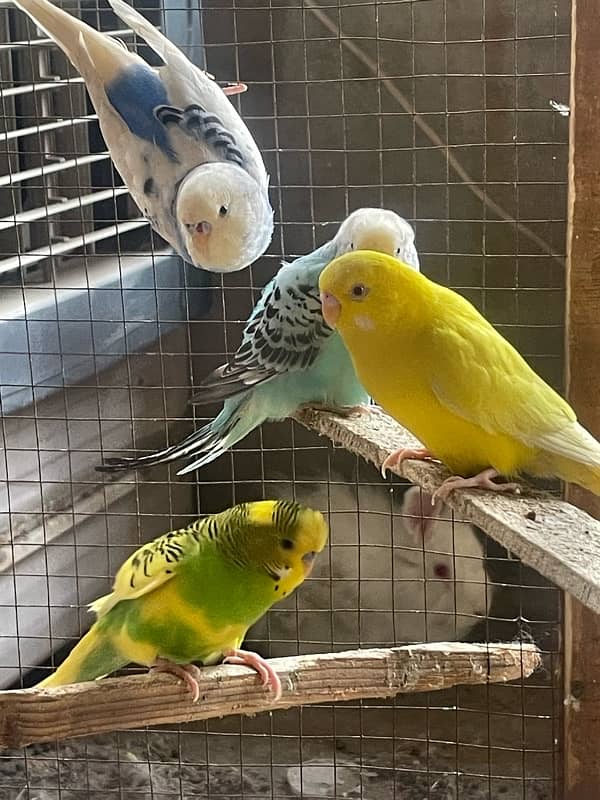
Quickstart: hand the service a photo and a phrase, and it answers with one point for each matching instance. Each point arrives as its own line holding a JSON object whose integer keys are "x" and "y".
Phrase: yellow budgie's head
{"x": 357, "y": 289}
{"x": 278, "y": 537}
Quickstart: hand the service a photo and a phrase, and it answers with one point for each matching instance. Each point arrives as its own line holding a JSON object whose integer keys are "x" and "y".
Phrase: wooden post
{"x": 582, "y": 636}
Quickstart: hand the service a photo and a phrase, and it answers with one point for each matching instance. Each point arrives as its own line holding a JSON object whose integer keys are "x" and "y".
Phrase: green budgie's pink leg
{"x": 267, "y": 674}
{"x": 189, "y": 674}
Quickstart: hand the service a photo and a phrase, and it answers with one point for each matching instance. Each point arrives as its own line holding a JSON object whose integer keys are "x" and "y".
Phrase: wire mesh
{"x": 436, "y": 109}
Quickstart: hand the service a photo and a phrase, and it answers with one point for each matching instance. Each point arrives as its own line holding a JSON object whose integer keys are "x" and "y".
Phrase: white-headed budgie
{"x": 192, "y": 594}
{"x": 288, "y": 356}
{"x": 186, "y": 156}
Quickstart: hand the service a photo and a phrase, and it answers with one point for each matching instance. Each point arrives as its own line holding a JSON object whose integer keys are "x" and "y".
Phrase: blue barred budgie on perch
{"x": 288, "y": 356}
{"x": 186, "y": 156}
{"x": 192, "y": 594}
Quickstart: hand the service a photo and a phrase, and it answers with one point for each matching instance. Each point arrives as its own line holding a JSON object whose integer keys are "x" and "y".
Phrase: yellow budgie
{"x": 429, "y": 358}
{"x": 192, "y": 594}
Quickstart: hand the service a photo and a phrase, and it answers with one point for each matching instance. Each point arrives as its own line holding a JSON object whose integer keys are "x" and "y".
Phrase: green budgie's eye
{"x": 287, "y": 544}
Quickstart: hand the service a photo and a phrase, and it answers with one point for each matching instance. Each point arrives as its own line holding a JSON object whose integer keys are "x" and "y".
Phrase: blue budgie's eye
{"x": 223, "y": 211}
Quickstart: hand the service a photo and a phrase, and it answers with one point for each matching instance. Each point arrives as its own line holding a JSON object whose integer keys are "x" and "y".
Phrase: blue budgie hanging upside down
{"x": 186, "y": 156}
{"x": 288, "y": 356}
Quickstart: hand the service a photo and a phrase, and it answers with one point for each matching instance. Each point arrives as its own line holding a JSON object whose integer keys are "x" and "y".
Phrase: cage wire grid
{"x": 436, "y": 109}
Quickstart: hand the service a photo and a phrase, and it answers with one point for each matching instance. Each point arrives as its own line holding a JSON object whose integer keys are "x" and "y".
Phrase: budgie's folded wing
{"x": 284, "y": 333}
{"x": 187, "y": 85}
{"x": 152, "y": 565}
{"x": 479, "y": 376}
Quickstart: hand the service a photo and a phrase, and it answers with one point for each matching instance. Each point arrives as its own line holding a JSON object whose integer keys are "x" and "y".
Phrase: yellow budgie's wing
{"x": 153, "y": 564}
{"x": 480, "y": 377}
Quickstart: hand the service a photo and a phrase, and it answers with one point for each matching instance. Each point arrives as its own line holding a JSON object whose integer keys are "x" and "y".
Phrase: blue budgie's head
{"x": 380, "y": 230}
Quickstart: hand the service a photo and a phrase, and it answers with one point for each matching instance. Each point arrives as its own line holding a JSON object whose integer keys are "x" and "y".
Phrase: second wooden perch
{"x": 557, "y": 539}
{"x": 42, "y": 715}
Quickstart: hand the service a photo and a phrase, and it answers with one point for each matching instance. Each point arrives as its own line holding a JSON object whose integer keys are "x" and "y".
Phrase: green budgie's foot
{"x": 189, "y": 674}
{"x": 481, "y": 481}
{"x": 340, "y": 411}
{"x": 398, "y": 456}
{"x": 267, "y": 674}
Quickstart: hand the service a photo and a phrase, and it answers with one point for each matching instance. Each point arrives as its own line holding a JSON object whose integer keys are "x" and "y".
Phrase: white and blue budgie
{"x": 288, "y": 357}
{"x": 189, "y": 161}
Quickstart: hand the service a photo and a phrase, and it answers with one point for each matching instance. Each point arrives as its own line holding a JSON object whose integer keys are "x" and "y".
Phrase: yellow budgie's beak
{"x": 331, "y": 308}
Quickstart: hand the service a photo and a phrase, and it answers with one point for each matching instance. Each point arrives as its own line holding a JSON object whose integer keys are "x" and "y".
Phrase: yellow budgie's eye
{"x": 359, "y": 291}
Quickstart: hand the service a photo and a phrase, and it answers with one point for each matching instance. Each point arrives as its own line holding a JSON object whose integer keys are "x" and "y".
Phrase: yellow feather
{"x": 430, "y": 359}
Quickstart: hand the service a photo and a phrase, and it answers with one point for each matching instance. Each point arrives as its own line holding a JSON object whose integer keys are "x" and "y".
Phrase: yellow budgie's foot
{"x": 267, "y": 674}
{"x": 189, "y": 674}
{"x": 398, "y": 456}
{"x": 481, "y": 481}
{"x": 339, "y": 411}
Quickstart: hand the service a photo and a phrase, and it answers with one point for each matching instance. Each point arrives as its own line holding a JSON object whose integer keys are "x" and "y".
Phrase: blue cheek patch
{"x": 134, "y": 95}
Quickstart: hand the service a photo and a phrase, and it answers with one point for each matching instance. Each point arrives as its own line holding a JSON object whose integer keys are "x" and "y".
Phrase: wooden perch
{"x": 552, "y": 536}
{"x": 43, "y": 715}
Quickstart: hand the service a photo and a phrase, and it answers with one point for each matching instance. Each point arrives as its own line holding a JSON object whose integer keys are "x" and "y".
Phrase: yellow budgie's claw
{"x": 481, "y": 481}
{"x": 398, "y": 456}
{"x": 267, "y": 674}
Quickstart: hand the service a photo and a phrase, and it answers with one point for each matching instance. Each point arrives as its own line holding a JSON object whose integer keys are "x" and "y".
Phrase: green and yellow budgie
{"x": 192, "y": 594}
{"x": 429, "y": 358}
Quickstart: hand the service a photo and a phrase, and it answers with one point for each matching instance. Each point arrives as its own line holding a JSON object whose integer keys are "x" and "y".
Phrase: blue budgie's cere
{"x": 288, "y": 356}
{"x": 186, "y": 156}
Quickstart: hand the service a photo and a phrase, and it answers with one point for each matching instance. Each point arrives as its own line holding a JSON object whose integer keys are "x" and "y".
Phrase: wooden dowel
{"x": 42, "y": 715}
{"x": 554, "y": 537}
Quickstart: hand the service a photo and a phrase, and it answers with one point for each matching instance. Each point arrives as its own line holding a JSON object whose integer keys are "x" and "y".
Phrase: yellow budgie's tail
{"x": 586, "y": 475}
{"x": 93, "y": 657}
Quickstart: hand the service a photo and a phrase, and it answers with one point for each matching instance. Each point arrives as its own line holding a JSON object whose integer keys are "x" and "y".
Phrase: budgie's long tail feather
{"x": 71, "y": 33}
{"x": 93, "y": 657}
{"x": 134, "y": 20}
{"x": 574, "y": 472}
{"x": 572, "y": 454}
{"x": 209, "y": 442}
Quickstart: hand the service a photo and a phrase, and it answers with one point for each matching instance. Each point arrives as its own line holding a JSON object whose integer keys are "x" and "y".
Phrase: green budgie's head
{"x": 279, "y": 537}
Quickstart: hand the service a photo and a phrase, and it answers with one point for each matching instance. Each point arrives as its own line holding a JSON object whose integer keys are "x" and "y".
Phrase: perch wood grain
{"x": 552, "y": 536}
{"x": 42, "y": 715}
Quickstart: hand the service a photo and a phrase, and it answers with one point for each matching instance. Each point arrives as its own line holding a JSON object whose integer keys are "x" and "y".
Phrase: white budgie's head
{"x": 380, "y": 230}
{"x": 224, "y": 217}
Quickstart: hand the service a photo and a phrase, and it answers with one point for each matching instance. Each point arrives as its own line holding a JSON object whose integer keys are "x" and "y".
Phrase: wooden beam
{"x": 560, "y": 541}
{"x": 582, "y": 628}
{"x": 43, "y": 715}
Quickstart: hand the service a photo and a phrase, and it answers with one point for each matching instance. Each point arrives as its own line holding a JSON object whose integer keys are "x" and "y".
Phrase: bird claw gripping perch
{"x": 398, "y": 456}
{"x": 483, "y": 480}
{"x": 189, "y": 674}
{"x": 267, "y": 674}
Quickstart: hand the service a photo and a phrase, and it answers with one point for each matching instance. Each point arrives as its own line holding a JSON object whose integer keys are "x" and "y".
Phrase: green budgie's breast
{"x": 206, "y": 611}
